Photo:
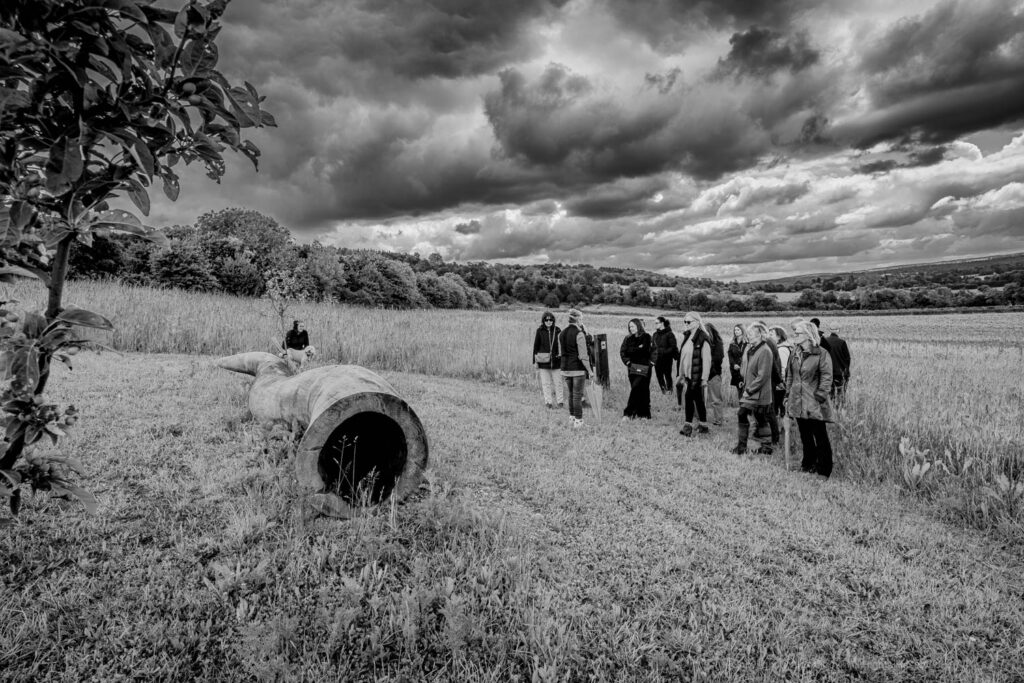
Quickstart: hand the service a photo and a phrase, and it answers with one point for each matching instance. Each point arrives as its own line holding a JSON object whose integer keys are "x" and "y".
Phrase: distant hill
{"x": 994, "y": 271}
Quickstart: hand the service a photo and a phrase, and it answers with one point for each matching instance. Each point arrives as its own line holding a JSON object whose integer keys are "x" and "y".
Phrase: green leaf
{"x": 80, "y": 316}
{"x": 10, "y": 233}
{"x": 140, "y": 152}
{"x": 198, "y": 57}
{"x": 25, "y": 366}
{"x": 10, "y": 271}
{"x": 13, "y": 476}
{"x": 138, "y": 195}
{"x": 87, "y": 498}
{"x": 171, "y": 186}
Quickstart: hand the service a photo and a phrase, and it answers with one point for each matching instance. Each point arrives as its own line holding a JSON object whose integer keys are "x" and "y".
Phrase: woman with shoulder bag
{"x": 635, "y": 353}
{"x": 546, "y": 357}
{"x": 808, "y": 381}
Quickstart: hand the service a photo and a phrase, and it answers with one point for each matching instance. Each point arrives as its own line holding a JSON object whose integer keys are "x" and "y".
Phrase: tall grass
{"x": 951, "y": 385}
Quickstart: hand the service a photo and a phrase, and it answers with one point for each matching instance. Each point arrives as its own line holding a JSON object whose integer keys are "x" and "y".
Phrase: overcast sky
{"x": 721, "y": 138}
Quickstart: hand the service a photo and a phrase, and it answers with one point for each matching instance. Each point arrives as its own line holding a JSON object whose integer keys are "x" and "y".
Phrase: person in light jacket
{"x": 694, "y": 371}
{"x": 755, "y": 390}
{"x": 546, "y": 358}
{"x": 635, "y": 353}
{"x": 808, "y": 382}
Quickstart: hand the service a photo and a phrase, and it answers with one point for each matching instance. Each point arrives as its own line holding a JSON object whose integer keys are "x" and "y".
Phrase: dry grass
{"x": 618, "y": 553}
{"x": 951, "y": 384}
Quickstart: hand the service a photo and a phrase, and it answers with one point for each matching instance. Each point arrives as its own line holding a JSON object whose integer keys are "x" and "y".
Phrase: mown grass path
{"x": 619, "y": 552}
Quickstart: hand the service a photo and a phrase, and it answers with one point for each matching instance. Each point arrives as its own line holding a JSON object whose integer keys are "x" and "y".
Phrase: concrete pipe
{"x": 362, "y": 442}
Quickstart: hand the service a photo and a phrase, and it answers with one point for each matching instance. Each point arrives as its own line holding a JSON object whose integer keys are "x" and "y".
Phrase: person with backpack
{"x": 755, "y": 390}
{"x": 664, "y": 354}
{"x": 694, "y": 372}
{"x": 546, "y": 358}
{"x": 715, "y": 378}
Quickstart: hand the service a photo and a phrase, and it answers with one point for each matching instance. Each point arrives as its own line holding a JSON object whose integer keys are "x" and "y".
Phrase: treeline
{"x": 244, "y": 252}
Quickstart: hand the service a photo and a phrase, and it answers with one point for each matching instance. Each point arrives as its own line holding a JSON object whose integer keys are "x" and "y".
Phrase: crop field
{"x": 533, "y": 552}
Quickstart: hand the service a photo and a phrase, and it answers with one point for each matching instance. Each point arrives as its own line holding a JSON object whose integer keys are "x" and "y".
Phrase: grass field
{"x": 533, "y": 552}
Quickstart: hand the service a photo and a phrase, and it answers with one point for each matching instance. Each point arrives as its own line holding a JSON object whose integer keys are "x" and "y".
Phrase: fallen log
{"x": 362, "y": 443}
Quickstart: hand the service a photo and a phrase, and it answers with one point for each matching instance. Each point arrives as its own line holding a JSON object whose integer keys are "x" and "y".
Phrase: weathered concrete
{"x": 362, "y": 441}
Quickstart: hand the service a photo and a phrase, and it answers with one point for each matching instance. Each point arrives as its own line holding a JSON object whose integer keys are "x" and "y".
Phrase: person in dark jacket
{"x": 756, "y": 389}
{"x": 694, "y": 372}
{"x": 664, "y": 355}
{"x": 576, "y": 364}
{"x": 839, "y": 351}
{"x": 547, "y": 360}
{"x": 635, "y": 353}
{"x": 737, "y": 348}
{"x": 296, "y": 344}
{"x": 808, "y": 380}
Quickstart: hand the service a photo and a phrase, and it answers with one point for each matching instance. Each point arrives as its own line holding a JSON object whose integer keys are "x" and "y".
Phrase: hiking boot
{"x": 687, "y": 430}
{"x": 561, "y": 404}
{"x": 548, "y": 405}
{"x": 739, "y": 450}
{"x": 703, "y": 429}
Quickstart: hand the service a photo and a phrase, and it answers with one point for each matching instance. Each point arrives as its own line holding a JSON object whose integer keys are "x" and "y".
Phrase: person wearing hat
{"x": 576, "y": 364}
{"x": 839, "y": 354}
{"x": 664, "y": 353}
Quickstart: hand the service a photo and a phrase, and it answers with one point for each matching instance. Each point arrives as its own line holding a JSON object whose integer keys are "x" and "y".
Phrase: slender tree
{"x": 98, "y": 99}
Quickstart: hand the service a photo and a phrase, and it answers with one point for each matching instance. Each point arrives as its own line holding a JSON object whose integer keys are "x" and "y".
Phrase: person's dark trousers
{"x": 639, "y": 403}
{"x": 779, "y": 399}
{"x": 574, "y": 395}
{"x": 772, "y": 421}
{"x": 663, "y": 368}
{"x": 838, "y": 391}
{"x": 760, "y": 414}
{"x": 679, "y": 394}
{"x": 695, "y": 402}
{"x": 817, "y": 447}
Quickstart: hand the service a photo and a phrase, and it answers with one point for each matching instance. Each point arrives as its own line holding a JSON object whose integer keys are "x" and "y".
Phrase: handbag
{"x": 542, "y": 358}
{"x": 639, "y": 369}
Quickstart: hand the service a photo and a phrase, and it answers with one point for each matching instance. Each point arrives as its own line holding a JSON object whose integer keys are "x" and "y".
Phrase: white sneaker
{"x": 577, "y": 422}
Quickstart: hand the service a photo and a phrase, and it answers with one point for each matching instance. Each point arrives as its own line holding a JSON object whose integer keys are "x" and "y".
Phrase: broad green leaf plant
{"x": 98, "y": 99}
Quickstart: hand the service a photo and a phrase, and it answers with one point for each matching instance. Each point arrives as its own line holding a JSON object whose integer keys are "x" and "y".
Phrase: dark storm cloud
{"x": 449, "y": 38}
{"x": 561, "y": 121}
{"x": 761, "y": 51}
{"x": 470, "y": 228}
{"x": 412, "y": 39}
{"x": 670, "y": 24}
{"x": 632, "y": 196}
{"x": 956, "y": 69}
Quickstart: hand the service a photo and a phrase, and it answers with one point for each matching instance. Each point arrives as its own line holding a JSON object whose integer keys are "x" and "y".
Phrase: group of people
{"x": 801, "y": 373}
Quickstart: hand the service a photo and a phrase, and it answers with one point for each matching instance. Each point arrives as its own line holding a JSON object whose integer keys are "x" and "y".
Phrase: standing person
{"x": 576, "y": 365}
{"x": 808, "y": 380}
{"x": 546, "y": 358}
{"x": 715, "y": 378}
{"x": 635, "y": 353}
{"x": 737, "y": 349}
{"x": 756, "y": 389}
{"x": 777, "y": 379}
{"x": 777, "y": 335}
{"x": 694, "y": 371}
{"x": 664, "y": 355}
{"x": 839, "y": 350}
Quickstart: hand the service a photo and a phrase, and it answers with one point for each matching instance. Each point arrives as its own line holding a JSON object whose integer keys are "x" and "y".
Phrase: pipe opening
{"x": 363, "y": 458}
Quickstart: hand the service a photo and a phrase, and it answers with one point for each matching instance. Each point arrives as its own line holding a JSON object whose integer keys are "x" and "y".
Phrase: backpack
{"x": 717, "y": 349}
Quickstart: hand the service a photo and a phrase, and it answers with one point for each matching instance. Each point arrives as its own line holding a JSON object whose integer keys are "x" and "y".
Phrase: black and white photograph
{"x": 511, "y": 340}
